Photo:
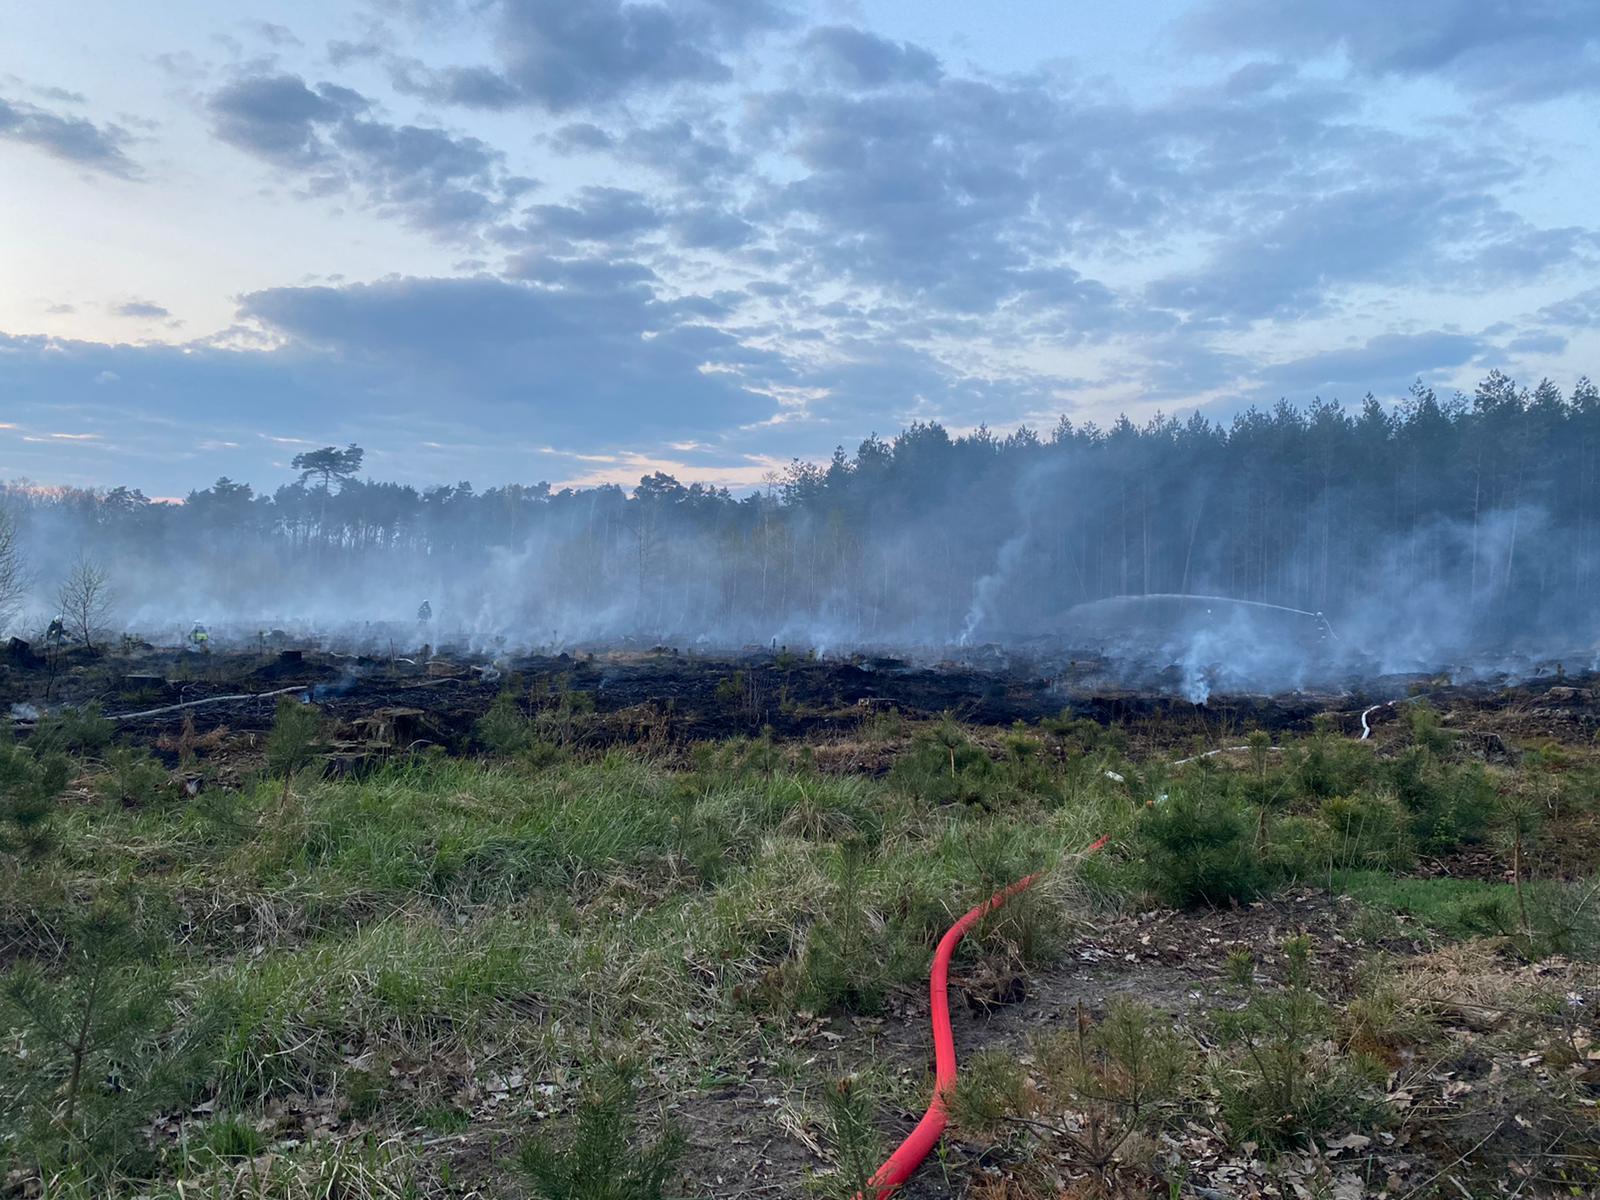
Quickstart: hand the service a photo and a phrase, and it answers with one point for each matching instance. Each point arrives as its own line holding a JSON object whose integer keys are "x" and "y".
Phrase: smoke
{"x": 1159, "y": 573}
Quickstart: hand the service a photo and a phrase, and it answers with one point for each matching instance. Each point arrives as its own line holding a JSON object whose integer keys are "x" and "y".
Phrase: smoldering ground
{"x": 1434, "y": 536}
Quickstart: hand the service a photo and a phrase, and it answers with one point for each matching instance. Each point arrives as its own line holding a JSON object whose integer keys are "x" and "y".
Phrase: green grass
{"x": 381, "y": 946}
{"x": 1453, "y": 907}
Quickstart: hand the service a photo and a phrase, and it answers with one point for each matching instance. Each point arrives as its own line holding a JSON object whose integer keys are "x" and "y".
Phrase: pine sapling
{"x": 603, "y": 1158}
{"x": 1519, "y": 819}
{"x": 92, "y": 1057}
{"x": 292, "y": 744}
{"x": 30, "y": 784}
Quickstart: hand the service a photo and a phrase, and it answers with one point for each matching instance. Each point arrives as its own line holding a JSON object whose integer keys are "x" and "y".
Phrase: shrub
{"x": 1283, "y": 1081}
{"x": 944, "y": 767}
{"x": 1199, "y": 849}
{"x": 841, "y": 968}
{"x": 567, "y": 717}
{"x": 1427, "y": 732}
{"x": 603, "y": 1158}
{"x": 1081, "y": 735}
{"x": 1088, "y": 1090}
{"x": 1447, "y": 806}
{"x": 853, "y": 1137}
{"x": 1327, "y": 765}
{"x": 74, "y": 730}
{"x": 1366, "y": 831}
{"x": 1299, "y": 848}
{"x": 505, "y": 728}
{"x": 132, "y": 778}
{"x": 293, "y": 741}
{"x": 93, "y": 1056}
{"x": 30, "y": 783}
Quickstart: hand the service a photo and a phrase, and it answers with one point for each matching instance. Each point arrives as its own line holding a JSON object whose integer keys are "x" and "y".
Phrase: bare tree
{"x": 85, "y": 599}
{"x": 13, "y": 576}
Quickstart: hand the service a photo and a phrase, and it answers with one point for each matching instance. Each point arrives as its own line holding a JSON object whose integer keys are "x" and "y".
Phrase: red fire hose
{"x": 920, "y": 1142}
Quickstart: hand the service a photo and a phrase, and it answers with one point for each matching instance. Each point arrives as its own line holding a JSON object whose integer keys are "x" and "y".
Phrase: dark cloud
{"x": 470, "y": 87}
{"x": 446, "y": 183}
{"x": 1511, "y": 51}
{"x": 273, "y": 34}
{"x": 562, "y": 55}
{"x": 277, "y": 117}
{"x": 141, "y": 309}
{"x": 1581, "y": 311}
{"x": 854, "y": 58}
{"x": 587, "y": 358}
{"x": 582, "y": 136}
{"x": 691, "y": 153}
{"x": 707, "y": 227}
{"x": 1537, "y": 343}
{"x": 971, "y": 194}
{"x": 1177, "y": 367}
{"x": 71, "y": 139}
{"x": 1296, "y": 262}
{"x": 341, "y": 51}
{"x": 1386, "y": 363}
{"x": 580, "y": 274}
{"x": 559, "y": 55}
{"x": 599, "y": 214}
{"x": 585, "y": 353}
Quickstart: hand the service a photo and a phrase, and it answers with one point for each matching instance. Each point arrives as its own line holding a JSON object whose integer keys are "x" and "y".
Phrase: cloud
{"x": 470, "y": 87}
{"x": 275, "y": 35}
{"x": 1508, "y": 51}
{"x": 141, "y": 309}
{"x": 60, "y": 94}
{"x": 971, "y": 195}
{"x": 559, "y": 56}
{"x": 1295, "y": 263}
{"x": 854, "y": 58}
{"x": 589, "y": 275}
{"x": 707, "y": 227}
{"x": 437, "y": 181}
{"x": 1581, "y": 311}
{"x": 277, "y": 117}
{"x": 71, "y": 139}
{"x": 1537, "y": 343}
{"x": 1387, "y": 362}
{"x": 600, "y": 214}
{"x": 583, "y": 353}
{"x": 692, "y": 153}
{"x": 590, "y": 357}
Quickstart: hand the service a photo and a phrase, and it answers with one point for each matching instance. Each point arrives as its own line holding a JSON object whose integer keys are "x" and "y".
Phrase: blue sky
{"x": 579, "y": 240}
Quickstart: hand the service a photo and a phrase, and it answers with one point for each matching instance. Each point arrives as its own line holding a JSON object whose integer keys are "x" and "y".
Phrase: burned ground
{"x": 667, "y": 698}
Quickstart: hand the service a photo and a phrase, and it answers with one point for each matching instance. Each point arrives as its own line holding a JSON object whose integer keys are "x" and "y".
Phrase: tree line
{"x": 1482, "y": 510}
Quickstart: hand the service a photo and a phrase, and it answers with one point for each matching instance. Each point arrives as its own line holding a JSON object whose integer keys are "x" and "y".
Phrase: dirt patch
{"x": 753, "y": 1131}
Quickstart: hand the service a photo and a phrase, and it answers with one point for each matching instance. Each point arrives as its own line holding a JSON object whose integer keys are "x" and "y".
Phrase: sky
{"x": 583, "y": 240}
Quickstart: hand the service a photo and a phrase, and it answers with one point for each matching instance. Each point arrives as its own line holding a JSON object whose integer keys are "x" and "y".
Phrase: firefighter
{"x": 57, "y": 633}
{"x": 199, "y": 638}
{"x": 424, "y": 612}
